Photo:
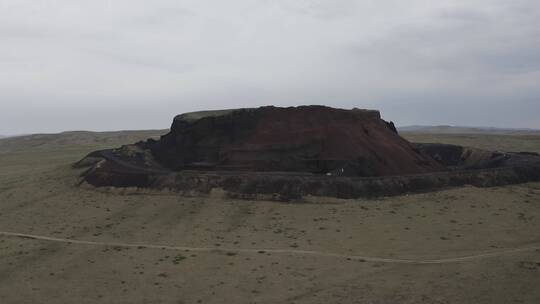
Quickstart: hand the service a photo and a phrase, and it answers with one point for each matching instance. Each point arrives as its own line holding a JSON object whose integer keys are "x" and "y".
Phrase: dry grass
{"x": 508, "y": 143}
{"x": 38, "y": 195}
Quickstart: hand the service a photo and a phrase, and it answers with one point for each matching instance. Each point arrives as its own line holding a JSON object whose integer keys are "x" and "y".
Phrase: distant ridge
{"x": 444, "y": 129}
{"x": 75, "y": 138}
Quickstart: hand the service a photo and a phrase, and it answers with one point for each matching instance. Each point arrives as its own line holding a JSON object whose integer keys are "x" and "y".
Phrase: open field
{"x": 465, "y": 245}
{"x": 457, "y": 130}
{"x": 507, "y": 143}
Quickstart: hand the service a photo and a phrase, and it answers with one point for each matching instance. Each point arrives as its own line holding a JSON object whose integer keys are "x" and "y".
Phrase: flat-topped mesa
{"x": 193, "y": 116}
{"x": 292, "y": 153}
{"x": 314, "y": 139}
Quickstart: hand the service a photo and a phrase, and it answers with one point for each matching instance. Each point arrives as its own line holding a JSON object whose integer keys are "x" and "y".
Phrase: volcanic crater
{"x": 290, "y": 153}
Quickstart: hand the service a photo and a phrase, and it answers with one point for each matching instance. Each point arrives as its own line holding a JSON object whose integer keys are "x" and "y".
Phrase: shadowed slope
{"x": 312, "y": 139}
{"x": 289, "y": 153}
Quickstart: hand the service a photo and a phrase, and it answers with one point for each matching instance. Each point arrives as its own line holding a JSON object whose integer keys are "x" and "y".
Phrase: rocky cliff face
{"x": 312, "y": 139}
{"x": 289, "y": 153}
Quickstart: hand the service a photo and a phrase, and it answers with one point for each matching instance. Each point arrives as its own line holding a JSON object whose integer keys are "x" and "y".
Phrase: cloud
{"x": 134, "y": 64}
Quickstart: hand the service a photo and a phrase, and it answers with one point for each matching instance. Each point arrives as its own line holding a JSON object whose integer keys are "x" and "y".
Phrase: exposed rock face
{"x": 288, "y": 153}
{"x": 312, "y": 139}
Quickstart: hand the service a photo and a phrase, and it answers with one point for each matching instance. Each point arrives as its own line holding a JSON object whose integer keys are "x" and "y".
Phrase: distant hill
{"x": 464, "y": 130}
{"x": 36, "y": 142}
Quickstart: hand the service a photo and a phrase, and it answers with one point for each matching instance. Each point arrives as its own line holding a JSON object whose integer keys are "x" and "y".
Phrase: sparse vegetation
{"x": 501, "y": 142}
{"x": 178, "y": 258}
{"x": 38, "y": 195}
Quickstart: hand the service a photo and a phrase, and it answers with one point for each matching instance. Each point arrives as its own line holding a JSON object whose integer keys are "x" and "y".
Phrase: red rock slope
{"x": 314, "y": 139}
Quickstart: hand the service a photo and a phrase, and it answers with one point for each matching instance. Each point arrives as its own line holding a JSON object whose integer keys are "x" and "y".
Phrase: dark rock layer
{"x": 288, "y": 153}
{"x": 109, "y": 171}
{"x": 312, "y": 139}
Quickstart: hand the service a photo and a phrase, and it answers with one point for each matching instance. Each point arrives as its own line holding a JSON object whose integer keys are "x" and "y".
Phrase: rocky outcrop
{"x": 311, "y": 139}
{"x": 288, "y": 153}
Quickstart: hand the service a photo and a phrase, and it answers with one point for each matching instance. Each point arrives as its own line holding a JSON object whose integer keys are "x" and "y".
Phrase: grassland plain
{"x": 502, "y": 142}
{"x": 39, "y": 196}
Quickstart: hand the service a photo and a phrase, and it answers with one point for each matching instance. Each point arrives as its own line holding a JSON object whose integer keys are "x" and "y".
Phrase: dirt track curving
{"x": 478, "y": 256}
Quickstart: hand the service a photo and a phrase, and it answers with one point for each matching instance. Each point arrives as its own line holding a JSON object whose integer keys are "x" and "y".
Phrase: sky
{"x": 134, "y": 64}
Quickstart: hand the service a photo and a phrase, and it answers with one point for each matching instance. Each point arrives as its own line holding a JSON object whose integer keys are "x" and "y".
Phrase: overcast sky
{"x": 135, "y": 64}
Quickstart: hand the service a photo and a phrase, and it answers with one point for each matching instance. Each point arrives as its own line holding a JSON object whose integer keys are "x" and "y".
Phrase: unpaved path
{"x": 478, "y": 256}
